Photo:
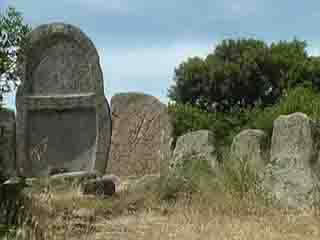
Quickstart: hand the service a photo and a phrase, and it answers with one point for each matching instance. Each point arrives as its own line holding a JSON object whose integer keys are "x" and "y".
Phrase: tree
{"x": 190, "y": 78}
{"x": 242, "y": 73}
{"x": 236, "y": 73}
{"x": 12, "y": 45}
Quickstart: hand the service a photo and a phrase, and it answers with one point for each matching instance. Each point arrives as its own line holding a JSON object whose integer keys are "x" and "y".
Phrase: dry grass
{"x": 195, "y": 206}
{"x": 142, "y": 214}
{"x": 194, "y": 222}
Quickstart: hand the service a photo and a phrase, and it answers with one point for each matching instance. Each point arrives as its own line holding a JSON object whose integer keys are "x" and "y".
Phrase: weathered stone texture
{"x": 63, "y": 117}
{"x": 144, "y": 183}
{"x": 289, "y": 175}
{"x": 250, "y": 148}
{"x": 195, "y": 145}
{"x": 7, "y": 142}
{"x": 79, "y": 176}
{"x": 165, "y": 150}
{"x": 138, "y": 120}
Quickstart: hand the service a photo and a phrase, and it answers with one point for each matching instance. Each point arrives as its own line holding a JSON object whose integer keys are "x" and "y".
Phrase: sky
{"x": 141, "y": 42}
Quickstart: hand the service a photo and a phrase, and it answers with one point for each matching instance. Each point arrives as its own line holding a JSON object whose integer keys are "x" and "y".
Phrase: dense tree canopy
{"x": 242, "y": 73}
{"x": 13, "y": 32}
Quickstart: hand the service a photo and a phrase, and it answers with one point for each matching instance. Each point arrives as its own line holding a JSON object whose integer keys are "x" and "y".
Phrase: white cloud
{"x": 3, "y": 4}
{"x": 115, "y": 6}
{"x": 313, "y": 51}
{"x": 148, "y": 70}
{"x": 9, "y": 100}
{"x": 240, "y": 8}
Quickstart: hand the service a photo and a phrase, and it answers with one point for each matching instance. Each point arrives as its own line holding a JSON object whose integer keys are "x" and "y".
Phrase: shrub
{"x": 186, "y": 118}
{"x": 225, "y": 126}
{"x": 193, "y": 176}
{"x": 301, "y": 99}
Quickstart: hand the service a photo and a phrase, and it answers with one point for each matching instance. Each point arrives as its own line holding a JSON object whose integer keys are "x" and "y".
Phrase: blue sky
{"x": 140, "y": 42}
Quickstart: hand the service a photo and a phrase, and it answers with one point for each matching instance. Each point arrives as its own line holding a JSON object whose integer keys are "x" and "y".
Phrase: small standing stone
{"x": 250, "y": 147}
{"x": 140, "y": 127}
{"x": 194, "y": 145}
{"x": 289, "y": 176}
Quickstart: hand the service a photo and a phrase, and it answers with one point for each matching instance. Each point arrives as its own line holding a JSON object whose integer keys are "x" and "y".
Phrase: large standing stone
{"x": 197, "y": 145}
{"x": 63, "y": 118}
{"x": 138, "y": 122}
{"x": 249, "y": 148}
{"x": 289, "y": 176}
{"x": 7, "y": 142}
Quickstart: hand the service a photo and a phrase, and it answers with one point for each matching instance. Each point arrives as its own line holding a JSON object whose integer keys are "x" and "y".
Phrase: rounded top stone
{"x": 122, "y": 99}
{"x": 59, "y": 59}
{"x": 43, "y": 36}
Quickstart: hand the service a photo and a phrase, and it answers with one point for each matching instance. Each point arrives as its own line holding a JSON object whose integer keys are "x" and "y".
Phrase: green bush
{"x": 187, "y": 118}
{"x": 225, "y": 126}
{"x": 240, "y": 181}
{"x": 301, "y": 99}
{"x": 194, "y": 176}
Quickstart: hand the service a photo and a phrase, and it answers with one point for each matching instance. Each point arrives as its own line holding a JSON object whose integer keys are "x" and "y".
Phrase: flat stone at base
{"x": 78, "y": 174}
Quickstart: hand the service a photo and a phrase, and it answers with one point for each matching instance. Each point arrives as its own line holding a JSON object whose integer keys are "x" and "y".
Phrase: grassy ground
{"x": 195, "y": 208}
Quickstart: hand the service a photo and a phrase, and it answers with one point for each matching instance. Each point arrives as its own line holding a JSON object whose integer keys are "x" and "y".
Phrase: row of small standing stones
{"x": 288, "y": 163}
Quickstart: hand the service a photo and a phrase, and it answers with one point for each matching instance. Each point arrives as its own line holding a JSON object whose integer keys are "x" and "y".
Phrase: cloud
{"x": 141, "y": 42}
{"x": 110, "y": 6}
{"x": 3, "y": 4}
{"x": 9, "y": 100}
{"x": 239, "y": 9}
{"x": 313, "y": 51}
{"x": 127, "y": 22}
{"x": 149, "y": 70}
